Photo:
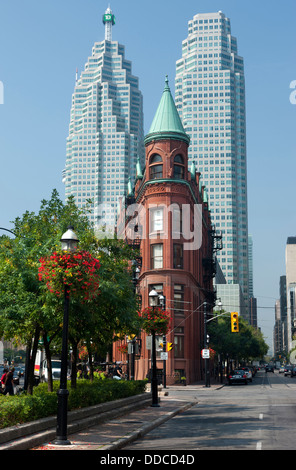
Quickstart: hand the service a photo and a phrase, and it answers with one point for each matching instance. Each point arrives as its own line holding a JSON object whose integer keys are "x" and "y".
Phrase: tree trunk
{"x": 27, "y": 365}
{"x": 32, "y": 361}
{"x": 91, "y": 367}
{"x": 49, "y": 365}
{"x": 74, "y": 356}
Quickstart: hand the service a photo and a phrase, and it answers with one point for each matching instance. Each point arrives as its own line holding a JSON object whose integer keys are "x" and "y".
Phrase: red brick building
{"x": 168, "y": 206}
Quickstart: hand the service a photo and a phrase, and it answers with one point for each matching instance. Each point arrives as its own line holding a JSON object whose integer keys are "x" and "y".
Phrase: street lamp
{"x": 69, "y": 242}
{"x": 219, "y": 356}
{"x": 164, "y": 341}
{"x": 153, "y": 302}
{"x": 132, "y": 342}
{"x": 206, "y": 346}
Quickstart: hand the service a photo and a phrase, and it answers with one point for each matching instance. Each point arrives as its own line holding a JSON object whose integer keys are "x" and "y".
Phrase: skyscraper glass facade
{"x": 210, "y": 98}
{"x": 105, "y": 133}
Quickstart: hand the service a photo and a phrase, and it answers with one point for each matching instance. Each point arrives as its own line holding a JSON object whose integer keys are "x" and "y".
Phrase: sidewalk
{"x": 118, "y": 432}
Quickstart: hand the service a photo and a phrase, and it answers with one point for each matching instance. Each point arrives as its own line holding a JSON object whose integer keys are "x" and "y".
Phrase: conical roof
{"x": 166, "y": 123}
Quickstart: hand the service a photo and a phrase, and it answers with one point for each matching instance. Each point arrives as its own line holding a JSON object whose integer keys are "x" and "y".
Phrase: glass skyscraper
{"x": 210, "y": 98}
{"x": 106, "y": 136}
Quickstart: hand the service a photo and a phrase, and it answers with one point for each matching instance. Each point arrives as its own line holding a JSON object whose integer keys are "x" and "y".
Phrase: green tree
{"x": 243, "y": 346}
{"x": 28, "y": 310}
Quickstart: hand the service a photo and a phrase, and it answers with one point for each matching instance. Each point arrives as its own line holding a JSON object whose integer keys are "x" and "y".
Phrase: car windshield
{"x": 239, "y": 372}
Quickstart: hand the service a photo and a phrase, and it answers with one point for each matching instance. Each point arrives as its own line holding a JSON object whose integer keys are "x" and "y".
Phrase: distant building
{"x": 283, "y": 307}
{"x": 210, "y": 98}
{"x": 277, "y": 333}
{"x": 290, "y": 288}
{"x": 106, "y": 130}
{"x": 232, "y": 299}
{"x": 252, "y": 300}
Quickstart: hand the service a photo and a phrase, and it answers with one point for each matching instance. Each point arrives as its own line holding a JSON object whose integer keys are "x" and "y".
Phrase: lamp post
{"x": 136, "y": 275}
{"x": 164, "y": 341}
{"x": 153, "y": 302}
{"x": 7, "y": 230}
{"x": 206, "y": 345}
{"x": 219, "y": 356}
{"x": 69, "y": 243}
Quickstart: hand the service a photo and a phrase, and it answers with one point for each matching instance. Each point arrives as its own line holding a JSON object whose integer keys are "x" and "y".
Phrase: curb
{"x": 122, "y": 442}
{"x": 29, "y": 435}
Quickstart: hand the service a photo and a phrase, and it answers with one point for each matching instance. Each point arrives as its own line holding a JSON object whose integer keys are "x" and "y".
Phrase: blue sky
{"x": 42, "y": 44}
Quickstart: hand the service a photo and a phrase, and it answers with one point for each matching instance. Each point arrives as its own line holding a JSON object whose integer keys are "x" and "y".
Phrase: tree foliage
{"x": 29, "y": 310}
{"x": 247, "y": 344}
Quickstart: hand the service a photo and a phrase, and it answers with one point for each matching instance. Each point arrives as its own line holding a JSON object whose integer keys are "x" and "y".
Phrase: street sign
{"x": 164, "y": 356}
{"x": 205, "y": 354}
{"x": 158, "y": 340}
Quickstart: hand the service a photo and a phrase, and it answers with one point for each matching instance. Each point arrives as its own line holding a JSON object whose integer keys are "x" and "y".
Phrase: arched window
{"x": 155, "y": 167}
{"x": 179, "y": 169}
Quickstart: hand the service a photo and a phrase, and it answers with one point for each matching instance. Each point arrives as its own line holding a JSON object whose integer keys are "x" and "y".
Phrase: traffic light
{"x": 234, "y": 322}
{"x": 170, "y": 346}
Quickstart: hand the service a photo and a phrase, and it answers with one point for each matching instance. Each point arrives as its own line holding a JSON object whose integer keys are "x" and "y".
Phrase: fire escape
{"x": 210, "y": 262}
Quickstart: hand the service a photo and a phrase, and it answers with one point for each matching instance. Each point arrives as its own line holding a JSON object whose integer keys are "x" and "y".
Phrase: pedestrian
{"x": 3, "y": 377}
{"x": 9, "y": 382}
{"x": 117, "y": 372}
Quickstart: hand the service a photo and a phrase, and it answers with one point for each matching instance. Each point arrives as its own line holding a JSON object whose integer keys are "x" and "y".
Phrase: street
{"x": 257, "y": 416}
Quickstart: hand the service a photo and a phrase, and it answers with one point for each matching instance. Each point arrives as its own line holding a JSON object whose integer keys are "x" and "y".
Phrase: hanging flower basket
{"x": 155, "y": 319}
{"x": 83, "y": 353}
{"x": 123, "y": 348}
{"x": 78, "y": 271}
{"x": 212, "y": 353}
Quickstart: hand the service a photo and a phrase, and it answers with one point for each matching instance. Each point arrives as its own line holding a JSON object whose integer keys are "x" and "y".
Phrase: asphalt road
{"x": 257, "y": 416}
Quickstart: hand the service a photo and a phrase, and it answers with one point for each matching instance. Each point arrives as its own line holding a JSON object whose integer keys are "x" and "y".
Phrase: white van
{"x": 56, "y": 370}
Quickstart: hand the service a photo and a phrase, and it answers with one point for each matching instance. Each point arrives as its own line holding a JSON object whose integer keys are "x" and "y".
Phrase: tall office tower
{"x": 210, "y": 98}
{"x": 250, "y": 264}
{"x": 106, "y": 136}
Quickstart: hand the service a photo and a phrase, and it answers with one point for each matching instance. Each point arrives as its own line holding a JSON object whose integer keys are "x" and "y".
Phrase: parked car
{"x": 293, "y": 371}
{"x": 237, "y": 377}
{"x": 248, "y": 373}
{"x": 287, "y": 370}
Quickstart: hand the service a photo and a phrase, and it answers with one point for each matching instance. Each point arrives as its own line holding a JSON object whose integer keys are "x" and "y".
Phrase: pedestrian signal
{"x": 170, "y": 346}
{"x": 234, "y": 322}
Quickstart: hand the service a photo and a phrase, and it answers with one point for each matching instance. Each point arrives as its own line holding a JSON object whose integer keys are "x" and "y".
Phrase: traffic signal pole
{"x": 164, "y": 341}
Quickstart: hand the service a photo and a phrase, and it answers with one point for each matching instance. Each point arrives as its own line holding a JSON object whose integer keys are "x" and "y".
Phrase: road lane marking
{"x": 259, "y": 445}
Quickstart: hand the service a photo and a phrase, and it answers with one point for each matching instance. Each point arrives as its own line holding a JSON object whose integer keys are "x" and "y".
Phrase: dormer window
{"x": 179, "y": 169}
{"x": 155, "y": 167}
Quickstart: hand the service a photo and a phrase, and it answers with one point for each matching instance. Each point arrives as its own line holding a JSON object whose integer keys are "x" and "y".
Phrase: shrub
{"x": 20, "y": 409}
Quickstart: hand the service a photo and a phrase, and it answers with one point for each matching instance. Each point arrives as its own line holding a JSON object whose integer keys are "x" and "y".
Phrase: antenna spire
{"x": 109, "y": 21}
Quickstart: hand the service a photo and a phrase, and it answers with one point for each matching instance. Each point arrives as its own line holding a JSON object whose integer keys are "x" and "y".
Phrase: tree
{"x": 24, "y": 305}
{"x": 29, "y": 310}
{"x": 243, "y": 346}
